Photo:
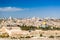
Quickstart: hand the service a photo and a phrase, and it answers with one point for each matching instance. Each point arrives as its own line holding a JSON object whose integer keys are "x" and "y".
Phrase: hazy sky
{"x": 30, "y": 8}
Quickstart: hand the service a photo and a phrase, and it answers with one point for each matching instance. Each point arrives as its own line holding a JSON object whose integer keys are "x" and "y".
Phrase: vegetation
{"x": 24, "y": 27}
{"x": 57, "y": 36}
{"x": 51, "y": 36}
{"x": 41, "y": 35}
{"x": 56, "y": 28}
{"x": 45, "y": 28}
{"x": 49, "y": 28}
{"x": 27, "y": 37}
{"x": 4, "y": 35}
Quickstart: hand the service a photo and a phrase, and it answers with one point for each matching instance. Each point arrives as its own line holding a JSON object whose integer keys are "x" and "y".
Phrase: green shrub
{"x": 24, "y": 27}
{"x": 4, "y": 35}
{"x": 41, "y": 35}
{"x": 27, "y": 37}
{"x": 57, "y": 36}
{"x": 51, "y": 36}
{"x": 56, "y": 28}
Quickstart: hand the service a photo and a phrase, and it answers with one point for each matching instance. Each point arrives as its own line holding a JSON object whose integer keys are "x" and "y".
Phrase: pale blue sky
{"x": 30, "y": 8}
